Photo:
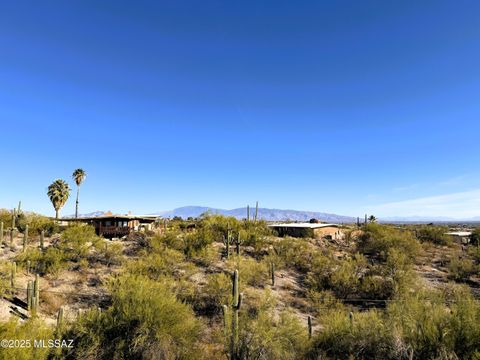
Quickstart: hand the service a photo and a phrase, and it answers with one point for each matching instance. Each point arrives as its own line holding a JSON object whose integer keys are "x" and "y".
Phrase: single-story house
{"x": 111, "y": 226}
{"x": 462, "y": 237}
{"x": 313, "y": 230}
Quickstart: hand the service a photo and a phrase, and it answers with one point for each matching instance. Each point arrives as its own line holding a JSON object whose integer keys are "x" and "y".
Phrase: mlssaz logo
{"x": 53, "y": 343}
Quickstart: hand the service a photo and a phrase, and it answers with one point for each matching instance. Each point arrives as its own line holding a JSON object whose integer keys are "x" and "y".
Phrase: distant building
{"x": 114, "y": 226}
{"x": 313, "y": 230}
{"x": 462, "y": 237}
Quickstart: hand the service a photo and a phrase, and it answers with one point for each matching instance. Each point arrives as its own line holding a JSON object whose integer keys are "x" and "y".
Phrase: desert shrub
{"x": 465, "y": 323}
{"x": 376, "y": 287}
{"x": 207, "y": 256}
{"x": 379, "y": 239}
{"x": 252, "y": 272}
{"x": 170, "y": 239}
{"x": 145, "y": 321}
{"x": 167, "y": 262}
{"x": 5, "y": 272}
{"x": 343, "y": 277}
{"x": 51, "y": 261}
{"x": 422, "y": 322}
{"x": 78, "y": 240}
{"x": 475, "y": 237}
{"x": 462, "y": 269}
{"x": 294, "y": 253}
{"x": 271, "y": 337}
{"x": 363, "y": 336}
{"x": 27, "y": 330}
{"x": 111, "y": 252}
{"x": 434, "y": 234}
{"x": 195, "y": 242}
{"x": 217, "y": 291}
{"x": 324, "y": 299}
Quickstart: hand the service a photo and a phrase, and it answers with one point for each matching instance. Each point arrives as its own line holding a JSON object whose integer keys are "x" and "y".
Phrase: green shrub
{"x": 365, "y": 336}
{"x": 379, "y": 239}
{"x": 51, "y": 261}
{"x": 145, "y": 321}
{"x": 461, "y": 269}
{"x": 34, "y": 329}
{"x": 252, "y": 272}
{"x": 434, "y": 234}
{"x": 78, "y": 240}
{"x": 294, "y": 252}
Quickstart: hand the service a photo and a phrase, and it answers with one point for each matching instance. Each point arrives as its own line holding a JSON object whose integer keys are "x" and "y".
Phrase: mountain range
{"x": 292, "y": 215}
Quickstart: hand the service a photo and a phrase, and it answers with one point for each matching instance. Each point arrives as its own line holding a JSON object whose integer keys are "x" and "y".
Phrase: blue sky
{"x": 346, "y": 107}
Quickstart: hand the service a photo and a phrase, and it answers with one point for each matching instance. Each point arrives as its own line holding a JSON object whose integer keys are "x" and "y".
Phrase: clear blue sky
{"x": 339, "y": 106}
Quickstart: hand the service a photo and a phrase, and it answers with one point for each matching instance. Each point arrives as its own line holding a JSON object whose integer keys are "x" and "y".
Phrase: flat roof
{"x": 459, "y": 233}
{"x": 303, "y": 225}
{"x": 121, "y": 217}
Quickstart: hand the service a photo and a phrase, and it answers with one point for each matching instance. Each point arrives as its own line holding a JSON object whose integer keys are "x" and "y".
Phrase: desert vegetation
{"x": 221, "y": 288}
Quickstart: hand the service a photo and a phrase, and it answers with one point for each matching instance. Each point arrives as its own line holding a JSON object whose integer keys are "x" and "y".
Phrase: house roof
{"x": 149, "y": 218}
{"x": 302, "y": 225}
{"x": 459, "y": 233}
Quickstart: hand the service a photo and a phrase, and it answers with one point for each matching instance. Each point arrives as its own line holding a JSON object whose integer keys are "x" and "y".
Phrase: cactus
{"x": 18, "y": 210}
{"x": 272, "y": 273}
{"x": 12, "y": 234}
{"x": 309, "y": 323}
{"x": 13, "y": 275}
{"x": 225, "y": 320}
{"x": 14, "y": 217}
{"x": 248, "y": 213}
{"x": 226, "y": 242}
{"x": 256, "y": 211}
{"x": 29, "y": 295}
{"x": 25, "y": 238}
{"x": 236, "y": 304}
{"x": 365, "y": 219}
{"x": 1, "y": 232}
{"x": 42, "y": 239}
{"x": 28, "y": 266}
{"x": 36, "y": 292}
{"x": 238, "y": 242}
{"x": 60, "y": 318}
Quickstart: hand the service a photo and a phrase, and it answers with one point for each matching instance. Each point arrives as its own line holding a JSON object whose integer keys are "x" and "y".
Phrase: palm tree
{"x": 372, "y": 219}
{"x": 58, "y": 192}
{"x": 79, "y": 176}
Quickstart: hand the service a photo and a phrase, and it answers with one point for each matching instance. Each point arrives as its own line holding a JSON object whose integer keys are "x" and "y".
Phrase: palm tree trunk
{"x": 76, "y": 204}
{"x": 56, "y": 214}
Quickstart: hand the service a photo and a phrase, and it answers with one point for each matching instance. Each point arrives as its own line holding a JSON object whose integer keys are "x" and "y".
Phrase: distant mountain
{"x": 92, "y": 214}
{"x": 263, "y": 213}
{"x": 426, "y": 219}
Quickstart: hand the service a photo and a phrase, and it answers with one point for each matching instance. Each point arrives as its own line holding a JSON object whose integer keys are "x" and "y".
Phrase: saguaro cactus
{"x": 309, "y": 324}
{"x": 236, "y": 304}
{"x": 226, "y": 242}
{"x": 36, "y": 293}
{"x": 60, "y": 318}
{"x": 248, "y": 212}
{"x": 256, "y": 211}
{"x": 272, "y": 273}
{"x": 25, "y": 238}
{"x": 13, "y": 274}
{"x": 42, "y": 239}
{"x": 238, "y": 242}
{"x": 1, "y": 232}
{"x": 29, "y": 295}
{"x": 14, "y": 217}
